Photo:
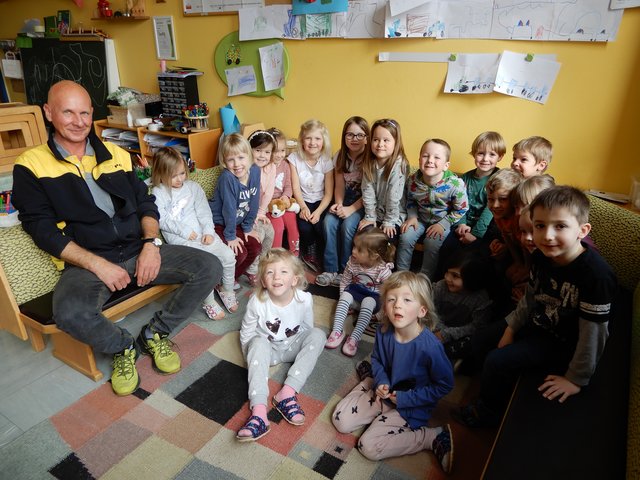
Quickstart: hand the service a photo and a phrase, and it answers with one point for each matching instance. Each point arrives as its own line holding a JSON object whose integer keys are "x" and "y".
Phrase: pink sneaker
{"x": 350, "y": 347}
{"x": 334, "y": 340}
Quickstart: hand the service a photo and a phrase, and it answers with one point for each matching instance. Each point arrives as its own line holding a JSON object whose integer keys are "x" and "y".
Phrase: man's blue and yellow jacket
{"x": 56, "y": 205}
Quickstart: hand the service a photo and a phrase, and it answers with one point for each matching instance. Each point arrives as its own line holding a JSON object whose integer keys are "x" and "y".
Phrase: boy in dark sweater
{"x": 561, "y": 322}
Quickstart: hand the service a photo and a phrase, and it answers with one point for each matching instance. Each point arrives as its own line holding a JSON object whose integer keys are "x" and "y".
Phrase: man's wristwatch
{"x": 155, "y": 240}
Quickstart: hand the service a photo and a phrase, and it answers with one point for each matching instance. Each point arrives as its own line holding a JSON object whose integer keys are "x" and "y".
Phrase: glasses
{"x": 357, "y": 136}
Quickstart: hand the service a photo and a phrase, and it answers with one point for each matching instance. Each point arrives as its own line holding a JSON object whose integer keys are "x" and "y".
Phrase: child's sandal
{"x": 289, "y": 408}
{"x": 214, "y": 312}
{"x": 256, "y": 426}
{"x": 229, "y": 300}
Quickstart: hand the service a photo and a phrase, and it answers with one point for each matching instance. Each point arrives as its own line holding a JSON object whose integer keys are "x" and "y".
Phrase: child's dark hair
{"x": 262, "y": 137}
{"x": 342, "y": 158}
{"x": 473, "y": 269}
{"x": 165, "y": 162}
{"x": 376, "y": 242}
{"x": 563, "y": 196}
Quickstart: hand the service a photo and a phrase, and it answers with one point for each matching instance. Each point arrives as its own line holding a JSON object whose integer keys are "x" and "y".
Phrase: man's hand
{"x": 555, "y": 386}
{"x": 148, "y": 264}
{"x": 113, "y": 276}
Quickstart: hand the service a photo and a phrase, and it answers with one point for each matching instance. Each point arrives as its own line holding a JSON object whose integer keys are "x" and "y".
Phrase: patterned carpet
{"x": 183, "y": 426}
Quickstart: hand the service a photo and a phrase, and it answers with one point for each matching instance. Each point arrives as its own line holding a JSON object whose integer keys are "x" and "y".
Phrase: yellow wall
{"x": 592, "y": 115}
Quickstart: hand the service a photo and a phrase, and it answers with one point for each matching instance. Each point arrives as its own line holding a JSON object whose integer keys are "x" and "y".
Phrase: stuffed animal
{"x": 277, "y": 207}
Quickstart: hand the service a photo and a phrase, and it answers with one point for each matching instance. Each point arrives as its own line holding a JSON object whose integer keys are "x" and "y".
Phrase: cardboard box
{"x": 119, "y": 114}
{"x": 248, "y": 128}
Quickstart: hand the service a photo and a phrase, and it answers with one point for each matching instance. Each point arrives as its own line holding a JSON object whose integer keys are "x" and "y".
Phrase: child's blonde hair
{"x": 342, "y": 157}
{"x": 166, "y": 161}
{"x": 279, "y": 255}
{"x": 233, "y": 143}
{"x": 438, "y": 141}
{"x": 376, "y": 243}
{"x": 490, "y": 141}
{"x": 369, "y": 165}
{"x": 527, "y": 189}
{"x": 420, "y": 286}
{"x": 307, "y": 127}
{"x": 539, "y": 147}
{"x": 505, "y": 179}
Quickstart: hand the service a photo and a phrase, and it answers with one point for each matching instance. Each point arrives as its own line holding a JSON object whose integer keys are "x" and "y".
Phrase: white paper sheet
{"x": 400, "y": 6}
{"x": 472, "y": 73}
{"x": 275, "y": 21}
{"x": 530, "y": 80}
{"x": 365, "y": 19}
{"x": 241, "y": 80}
{"x": 271, "y": 61}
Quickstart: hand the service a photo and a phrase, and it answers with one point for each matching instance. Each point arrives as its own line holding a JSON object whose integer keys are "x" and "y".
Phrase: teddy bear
{"x": 277, "y": 207}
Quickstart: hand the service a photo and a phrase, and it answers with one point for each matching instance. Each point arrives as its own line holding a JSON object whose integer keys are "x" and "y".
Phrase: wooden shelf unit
{"x": 203, "y": 146}
{"x": 21, "y": 128}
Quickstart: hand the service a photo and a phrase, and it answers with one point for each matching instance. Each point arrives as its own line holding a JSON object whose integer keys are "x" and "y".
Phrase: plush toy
{"x": 277, "y": 207}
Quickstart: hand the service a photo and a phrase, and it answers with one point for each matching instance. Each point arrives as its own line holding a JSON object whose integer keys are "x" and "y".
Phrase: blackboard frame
{"x": 50, "y": 60}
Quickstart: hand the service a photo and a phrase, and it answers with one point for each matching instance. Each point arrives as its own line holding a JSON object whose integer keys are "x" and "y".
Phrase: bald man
{"x": 82, "y": 203}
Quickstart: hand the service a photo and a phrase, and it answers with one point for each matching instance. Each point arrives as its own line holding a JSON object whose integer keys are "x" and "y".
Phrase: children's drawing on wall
{"x": 275, "y": 21}
{"x": 465, "y": 18}
{"x": 190, "y": 7}
{"x": 304, "y": 7}
{"x": 472, "y": 73}
{"x": 241, "y": 80}
{"x": 401, "y": 6}
{"x": 583, "y": 21}
{"x": 365, "y": 19}
{"x": 271, "y": 61}
{"x": 526, "y": 76}
{"x": 419, "y": 22}
{"x": 324, "y": 25}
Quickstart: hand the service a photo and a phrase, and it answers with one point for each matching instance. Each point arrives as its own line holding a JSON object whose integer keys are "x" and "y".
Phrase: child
{"x": 526, "y": 232}
{"x": 523, "y": 195}
{"x": 185, "y": 219}
{"x": 487, "y": 150}
{"x": 277, "y": 328}
{"x": 370, "y": 264}
{"x": 262, "y": 146}
{"x": 234, "y": 204}
{"x": 502, "y": 238}
{"x": 532, "y": 156}
{"x": 561, "y": 322}
{"x": 411, "y": 373}
{"x": 462, "y": 302}
{"x": 384, "y": 173}
{"x": 436, "y": 200}
{"x": 282, "y": 190}
{"x": 341, "y": 224}
{"x": 312, "y": 181}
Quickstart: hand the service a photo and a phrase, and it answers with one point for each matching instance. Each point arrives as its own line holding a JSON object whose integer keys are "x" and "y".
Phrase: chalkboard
{"x": 51, "y": 60}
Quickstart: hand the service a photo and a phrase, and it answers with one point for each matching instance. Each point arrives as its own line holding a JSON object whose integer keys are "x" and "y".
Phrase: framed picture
{"x": 165, "y": 38}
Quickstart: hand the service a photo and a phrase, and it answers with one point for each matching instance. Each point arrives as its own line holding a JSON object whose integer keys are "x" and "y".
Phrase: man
{"x": 81, "y": 202}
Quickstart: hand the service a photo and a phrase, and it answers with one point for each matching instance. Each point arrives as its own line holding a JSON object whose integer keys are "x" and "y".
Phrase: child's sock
{"x": 257, "y": 411}
{"x": 147, "y": 333}
{"x": 364, "y": 317}
{"x": 342, "y": 310}
{"x": 285, "y": 392}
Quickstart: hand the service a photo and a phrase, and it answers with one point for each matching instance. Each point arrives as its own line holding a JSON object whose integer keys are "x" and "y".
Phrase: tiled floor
{"x": 36, "y": 385}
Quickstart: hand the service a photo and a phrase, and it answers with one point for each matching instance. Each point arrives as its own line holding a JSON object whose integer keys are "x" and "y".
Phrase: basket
{"x": 198, "y": 124}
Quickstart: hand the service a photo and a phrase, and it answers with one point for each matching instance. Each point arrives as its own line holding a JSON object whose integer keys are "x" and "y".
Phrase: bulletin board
{"x": 246, "y": 53}
{"x": 198, "y": 8}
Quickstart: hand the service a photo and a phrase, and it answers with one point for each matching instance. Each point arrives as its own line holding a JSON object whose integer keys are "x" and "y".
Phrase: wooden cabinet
{"x": 21, "y": 128}
{"x": 201, "y": 147}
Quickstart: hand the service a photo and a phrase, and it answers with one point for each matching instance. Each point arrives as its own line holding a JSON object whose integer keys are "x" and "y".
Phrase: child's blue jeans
{"x": 338, "y": 235}
{"x": 432, "y": 246}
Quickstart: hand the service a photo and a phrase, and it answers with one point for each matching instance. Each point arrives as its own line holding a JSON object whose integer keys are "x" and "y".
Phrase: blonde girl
{"x": 341, "y": 223}
{"x": 263, "y": 145}
{"x": 370, "y": 264}
{"x": 312, "y": 182}
{"x": 234, "y": 204}
{"x": 283, "y": 191}
{"x": 185, "y": 219}
{"x": 384, "y": 173}
{"x": 278, "y": 328}
{"x": 411, "y": 373}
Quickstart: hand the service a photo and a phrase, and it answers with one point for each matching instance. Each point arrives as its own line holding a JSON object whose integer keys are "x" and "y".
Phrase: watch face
{"x": 157, "y": 242}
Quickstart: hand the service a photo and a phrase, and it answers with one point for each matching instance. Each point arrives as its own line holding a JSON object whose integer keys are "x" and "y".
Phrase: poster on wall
{"x": 165, "y": 38}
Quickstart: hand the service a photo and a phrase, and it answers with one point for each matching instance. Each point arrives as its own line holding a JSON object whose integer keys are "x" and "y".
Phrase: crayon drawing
{"x": 421, "y": 21}
{"x": 241, "y": 80}
{"x": 472, "y": 73}
{"x": 531, "y": 80}
{"x": 365, "y": 19}
{"x": 275, "y": 21}
{"x": 324, "y": 25}
{"x": 465, "y": 18}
